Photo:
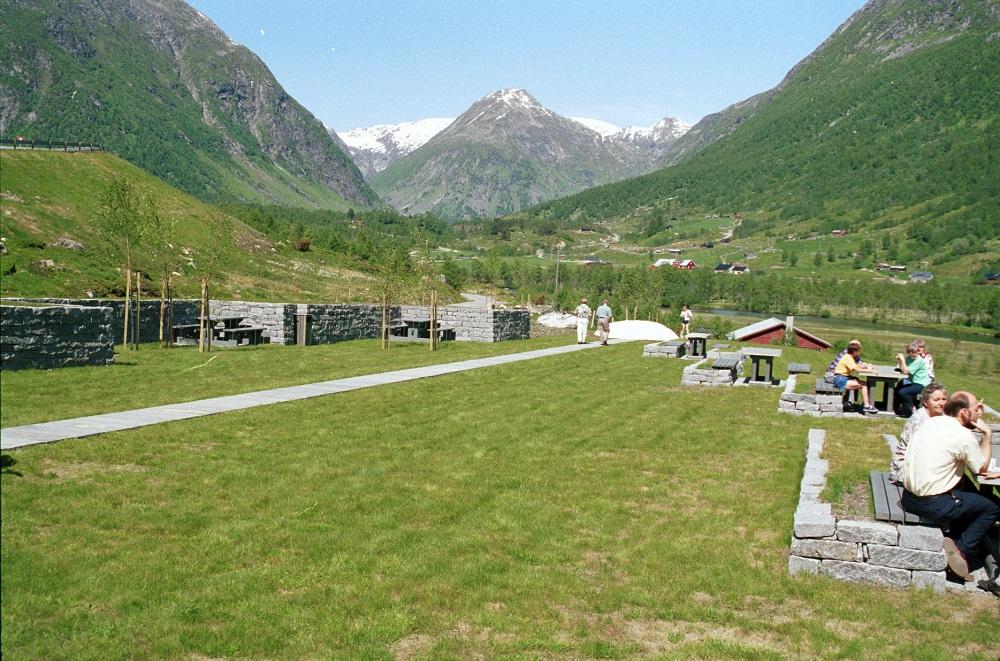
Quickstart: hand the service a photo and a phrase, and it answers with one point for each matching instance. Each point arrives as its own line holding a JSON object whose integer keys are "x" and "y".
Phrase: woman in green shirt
{"x": 917, "y": 377}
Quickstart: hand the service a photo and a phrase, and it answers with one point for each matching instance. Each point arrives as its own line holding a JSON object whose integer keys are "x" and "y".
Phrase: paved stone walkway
{"x": 48, "y": 432}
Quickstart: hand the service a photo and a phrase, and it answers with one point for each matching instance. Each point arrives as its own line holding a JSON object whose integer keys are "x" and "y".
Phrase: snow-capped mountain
{"x": 652, "y": 140}
{"x": 374, "y": 148}
{"x": 505, "y": 153}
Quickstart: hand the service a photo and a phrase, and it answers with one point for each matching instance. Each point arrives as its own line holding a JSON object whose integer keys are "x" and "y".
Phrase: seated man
{"x": 916, "y": 378}
{"x": 932, "y": 478}
{"x": 845, "y": 375}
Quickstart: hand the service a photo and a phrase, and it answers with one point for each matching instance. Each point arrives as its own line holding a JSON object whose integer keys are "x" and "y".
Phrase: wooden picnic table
{"x": 887, "y": 375}
{"x": 763, "y": 364}
{"x": 419, "y": 330}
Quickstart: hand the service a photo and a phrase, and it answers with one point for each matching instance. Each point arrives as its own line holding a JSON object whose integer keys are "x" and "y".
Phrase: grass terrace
{"x": 576, "y": 506}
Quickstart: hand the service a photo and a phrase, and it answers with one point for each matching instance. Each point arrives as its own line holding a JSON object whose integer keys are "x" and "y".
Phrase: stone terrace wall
{"x": 185, "y": 312}
{"x": 335, "y": 323}
{"x": 869, "y": 551}
{"x": 277, "y": 319}
{"x": 818, "y": 406}
{"x": 46, "y": 337}
{"x": 476, "y": 324}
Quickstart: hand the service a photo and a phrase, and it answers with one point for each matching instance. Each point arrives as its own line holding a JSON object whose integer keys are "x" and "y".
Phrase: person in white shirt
{"x": 936, "y": 459}
{"x": 686, "y": 316}
{"x": 583, "y": 313}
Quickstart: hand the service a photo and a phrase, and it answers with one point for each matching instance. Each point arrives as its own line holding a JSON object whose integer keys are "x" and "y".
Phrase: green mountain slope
{"x": 892, "y": 122}
{"x": 160, "y": 85}
{"x": 42, "y": 219}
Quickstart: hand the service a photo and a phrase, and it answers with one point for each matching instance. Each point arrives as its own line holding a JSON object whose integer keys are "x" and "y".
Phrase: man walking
{"x": 604, "y": 316}
{"x": 583, "y": 313}
{"x": 933, "y": 478}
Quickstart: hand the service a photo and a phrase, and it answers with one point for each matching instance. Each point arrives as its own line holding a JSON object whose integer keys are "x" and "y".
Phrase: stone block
{"x": 792, "y": 397}
{"x": 820, "y": 548}
{"x": 816, "y": 435}
{"x": 903, "y": 558}
{"x": 867, "y": 532}
{"x": 865, "y": 573}
{"x": 934, "y": 580}
{"x": 804, "y": 405}
{"x": 829, "y": 400}
{"x": 799, "y": 565}
{"x": 922, "y": 538}
{"x": 785, "y": 406}
{"x": 809, "y": 523}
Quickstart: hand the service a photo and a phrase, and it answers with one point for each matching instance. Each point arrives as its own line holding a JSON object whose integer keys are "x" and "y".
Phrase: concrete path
{"x": 48, "y": 432}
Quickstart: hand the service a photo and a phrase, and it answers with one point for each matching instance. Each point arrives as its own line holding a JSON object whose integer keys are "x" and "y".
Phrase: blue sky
{"x": 362, "y": 62}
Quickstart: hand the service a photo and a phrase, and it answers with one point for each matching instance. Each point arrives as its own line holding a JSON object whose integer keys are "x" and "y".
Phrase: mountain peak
{"x": 515, "y": 98}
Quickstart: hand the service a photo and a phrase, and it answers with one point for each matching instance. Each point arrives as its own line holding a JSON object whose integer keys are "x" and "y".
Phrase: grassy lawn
{"x": 152, "y": 377}
{"x": 578, "y": 506}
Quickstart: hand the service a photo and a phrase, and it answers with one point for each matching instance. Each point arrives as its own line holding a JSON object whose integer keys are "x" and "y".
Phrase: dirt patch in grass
{"x": 416, "y": 644}
{"x": 855, "y": 503}
{"x": 65, "y": 471}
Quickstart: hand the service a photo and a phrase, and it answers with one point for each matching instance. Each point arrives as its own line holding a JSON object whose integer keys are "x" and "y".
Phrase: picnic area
{"x": 523, "y": 510}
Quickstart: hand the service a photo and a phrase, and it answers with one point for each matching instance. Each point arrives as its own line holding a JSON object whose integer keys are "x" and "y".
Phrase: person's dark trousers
{"x": 906, "y": 398}
{"x": 968, "y": 515}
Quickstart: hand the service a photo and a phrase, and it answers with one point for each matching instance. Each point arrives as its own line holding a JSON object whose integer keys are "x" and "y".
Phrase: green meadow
{"x": 575, "y": 506}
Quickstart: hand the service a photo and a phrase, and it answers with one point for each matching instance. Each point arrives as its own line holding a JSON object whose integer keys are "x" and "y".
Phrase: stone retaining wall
{"x": 185, "y": 312}
{"x": 476, "y": 324}
{"x": 852, "y": 550}
{"x": 336, "y": 323}
{"x": 698, "y": 375}
{"x": 50, "y": 336}
{"x": 277, "y": 319}
{"x": 818, "y": 406}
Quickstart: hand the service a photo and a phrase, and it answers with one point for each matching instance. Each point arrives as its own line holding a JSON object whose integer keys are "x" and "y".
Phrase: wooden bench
{"x": 725, "y": 363}
{"x": 799, "y": 368}
{"x": 886, "y": 497}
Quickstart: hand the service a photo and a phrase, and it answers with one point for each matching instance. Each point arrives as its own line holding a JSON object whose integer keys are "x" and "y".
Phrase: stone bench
{"x": 799, "y": 368}
{"x": 668, "y": 349}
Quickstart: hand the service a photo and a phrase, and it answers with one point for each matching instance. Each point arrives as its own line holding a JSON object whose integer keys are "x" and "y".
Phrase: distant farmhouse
{"x": 883, "y": 266}
{"x": 739, "y": 269}
{"x": 592, "y": 260}
{"x": 772, "y": 330}
{"x": 686, "y": 264}
{"x": 921, "y": 276}
{"x": 723, "y": 268}
{"x": 838, "y": 233}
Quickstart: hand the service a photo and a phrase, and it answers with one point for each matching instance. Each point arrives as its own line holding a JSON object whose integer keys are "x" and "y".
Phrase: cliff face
{"x": 157, "y": 82}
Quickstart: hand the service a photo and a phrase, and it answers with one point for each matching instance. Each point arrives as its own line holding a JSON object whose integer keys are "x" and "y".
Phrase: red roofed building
{"x": 769, "y": 331}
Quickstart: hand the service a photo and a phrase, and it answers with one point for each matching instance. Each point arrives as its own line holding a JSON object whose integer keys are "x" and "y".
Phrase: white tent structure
{"x": 641, "y": 330}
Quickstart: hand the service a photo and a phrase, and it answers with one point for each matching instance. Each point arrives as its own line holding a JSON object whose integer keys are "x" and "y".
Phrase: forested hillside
{"x": 892, "y": 123}
{"x": 159, "y": 84}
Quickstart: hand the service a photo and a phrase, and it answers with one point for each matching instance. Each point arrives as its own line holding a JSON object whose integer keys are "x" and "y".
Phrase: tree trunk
{"x": 434, "y": 311}
{"x": 202, "y": 318}
{"x": 163, "y": 306}
{"x": 170, "y": 313}
{"x": 128, "y": 305}
{"x": 138, "y": 310}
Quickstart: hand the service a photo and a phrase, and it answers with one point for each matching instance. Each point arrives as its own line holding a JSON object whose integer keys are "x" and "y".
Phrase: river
{"x": 916, "y": 331}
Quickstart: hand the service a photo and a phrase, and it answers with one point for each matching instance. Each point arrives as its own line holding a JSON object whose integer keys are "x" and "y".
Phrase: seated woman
{"x": 933, "y": 398}
{"x": 845, "y": 375}
{"x": 916, "y": 378}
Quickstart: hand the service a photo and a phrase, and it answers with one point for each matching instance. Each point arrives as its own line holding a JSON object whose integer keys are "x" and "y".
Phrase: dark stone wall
{"x": 46, "y": 337}
{"x": 185, "y": 312}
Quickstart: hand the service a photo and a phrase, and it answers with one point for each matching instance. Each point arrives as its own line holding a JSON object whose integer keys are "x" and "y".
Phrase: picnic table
{"x": 699, "y": 342}
{"x": 419, "y": 330}
{"x": 763, "y": 364}
{"x": 225, "y": 329}
{"x": 886, "y": 375}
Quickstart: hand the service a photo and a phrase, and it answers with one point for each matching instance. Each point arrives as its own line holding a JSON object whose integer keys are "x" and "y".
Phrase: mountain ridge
{"x": 160, "y": 84}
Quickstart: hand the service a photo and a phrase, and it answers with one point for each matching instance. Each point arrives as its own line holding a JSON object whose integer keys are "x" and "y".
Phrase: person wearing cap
{"x": 933, "y": 479}
{"x": 583, "y": 313}
{"x": 604, "y": 316}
